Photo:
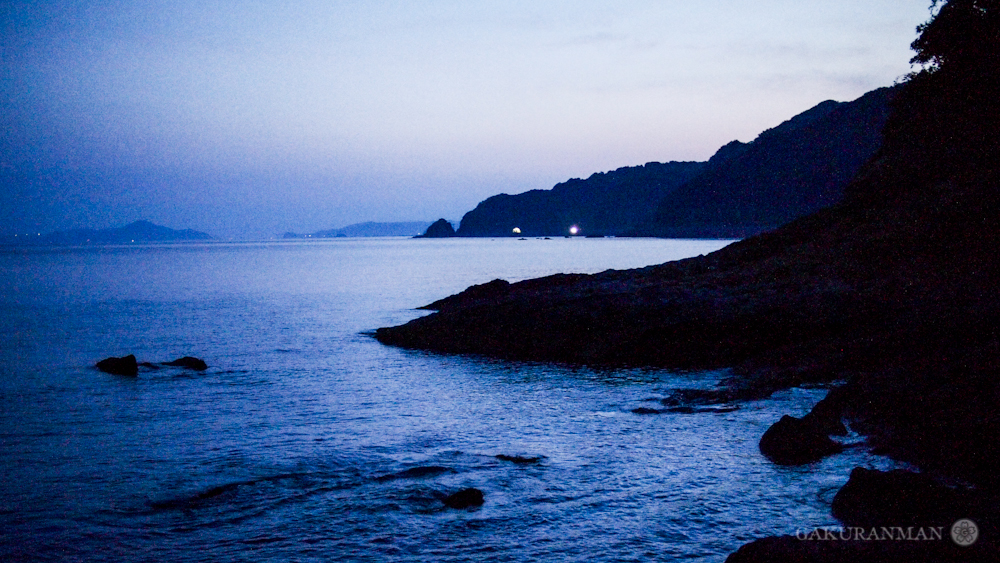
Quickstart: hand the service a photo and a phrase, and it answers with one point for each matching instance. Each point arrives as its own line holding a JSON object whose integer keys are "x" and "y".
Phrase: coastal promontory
{"x": 892, "y": 293}
{"x": 791, "y": 170}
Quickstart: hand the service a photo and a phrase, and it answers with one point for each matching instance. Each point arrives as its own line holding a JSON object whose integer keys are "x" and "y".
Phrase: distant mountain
{"x": 370, "y": 229}
{"x": 787, "y": 172}
{"x": 608, "y": 203}
{"x": 139, "y": 231}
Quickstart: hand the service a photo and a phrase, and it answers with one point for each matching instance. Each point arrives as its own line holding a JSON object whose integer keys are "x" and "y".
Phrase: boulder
{"x": 416, "y": 473}
{"x": 795, "y": 441}
{"x": 119, "y": 366}
{"x": 888, "y": 516}
{"x": 188, "y": 362}
{"x": 899, "y": 498}
{"x": 466, "y": 498}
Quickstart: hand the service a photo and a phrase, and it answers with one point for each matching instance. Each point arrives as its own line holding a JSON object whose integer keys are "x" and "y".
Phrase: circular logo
{"x": 964, "y": 532}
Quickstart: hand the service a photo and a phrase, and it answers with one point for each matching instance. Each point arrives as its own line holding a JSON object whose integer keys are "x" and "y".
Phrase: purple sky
{"x": 248, "y": 118}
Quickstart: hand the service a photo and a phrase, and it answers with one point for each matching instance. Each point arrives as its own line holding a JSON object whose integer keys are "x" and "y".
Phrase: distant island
{"x": 441, "y": 228}
{"x": 794, "y": 169}
{"x": 368, "y": 229}
{"x": 137, "y": 232}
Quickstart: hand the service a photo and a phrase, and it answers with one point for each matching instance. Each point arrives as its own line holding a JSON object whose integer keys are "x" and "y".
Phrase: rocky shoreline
{"x": 895, "y": 291}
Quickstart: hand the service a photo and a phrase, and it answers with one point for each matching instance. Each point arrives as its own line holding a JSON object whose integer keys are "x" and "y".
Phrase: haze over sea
{"x": 295, "y": 443}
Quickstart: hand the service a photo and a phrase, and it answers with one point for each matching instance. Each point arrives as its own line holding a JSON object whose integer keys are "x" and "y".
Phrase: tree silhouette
{"x": 963, "y": 34}
{"x": 945, "y": 121}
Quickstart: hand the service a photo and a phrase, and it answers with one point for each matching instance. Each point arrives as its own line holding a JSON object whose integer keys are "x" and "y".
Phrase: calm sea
{"x": 295, "y": 444}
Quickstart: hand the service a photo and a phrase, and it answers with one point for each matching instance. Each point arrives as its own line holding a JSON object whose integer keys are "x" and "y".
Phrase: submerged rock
{"x": 466, "y": 498}
{"x": 189, "y": 363}
{"x": 518, "y": 459}
{"x": 794, "y": 441}
{"x": 416, "y": 473}
{"x": 125, "y": 365}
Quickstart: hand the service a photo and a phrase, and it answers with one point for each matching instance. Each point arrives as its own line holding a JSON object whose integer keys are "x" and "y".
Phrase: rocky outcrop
{"x": 891, "y": 516}
{"x": 894, "y": 290}
{"x": 901, "y": 498}
{"x": 128, "y": 365}
{"x": 439, "y": 229}
{"x": 125, "y": 365}
{"x": 794, "y": 441}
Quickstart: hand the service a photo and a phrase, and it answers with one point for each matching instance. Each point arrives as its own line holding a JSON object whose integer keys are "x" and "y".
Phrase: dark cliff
{"x": 789, "y": 171}
{"x": 794, "y": 169}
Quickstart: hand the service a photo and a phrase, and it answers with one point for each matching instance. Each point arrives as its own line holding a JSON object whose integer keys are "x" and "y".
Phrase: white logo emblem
{"x": 964, "y": 532}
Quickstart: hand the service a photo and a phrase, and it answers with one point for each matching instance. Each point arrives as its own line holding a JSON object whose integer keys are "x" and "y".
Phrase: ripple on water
{"x": 306, "y": 440}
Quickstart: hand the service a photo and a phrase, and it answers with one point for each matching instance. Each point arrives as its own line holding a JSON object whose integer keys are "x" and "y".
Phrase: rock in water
{"x": 519, "y": 459}
{"x": 439, "y": 229}
{"x": 189, "y": 363}
{"x": 794, "y": 441}
{"x": 119, "y": 366}
{"x": 465, "y": 498}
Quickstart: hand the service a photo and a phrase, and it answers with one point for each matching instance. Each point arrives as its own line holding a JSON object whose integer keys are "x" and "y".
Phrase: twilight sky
{"x": 248, "y": 118}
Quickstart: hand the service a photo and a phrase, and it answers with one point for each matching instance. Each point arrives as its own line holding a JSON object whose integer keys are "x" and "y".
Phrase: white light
{"x": 574, "y": 230}
{"x": 517, "y": 230}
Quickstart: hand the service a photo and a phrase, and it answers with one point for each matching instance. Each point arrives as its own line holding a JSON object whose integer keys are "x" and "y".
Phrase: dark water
{"x": 307, "y": 440}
